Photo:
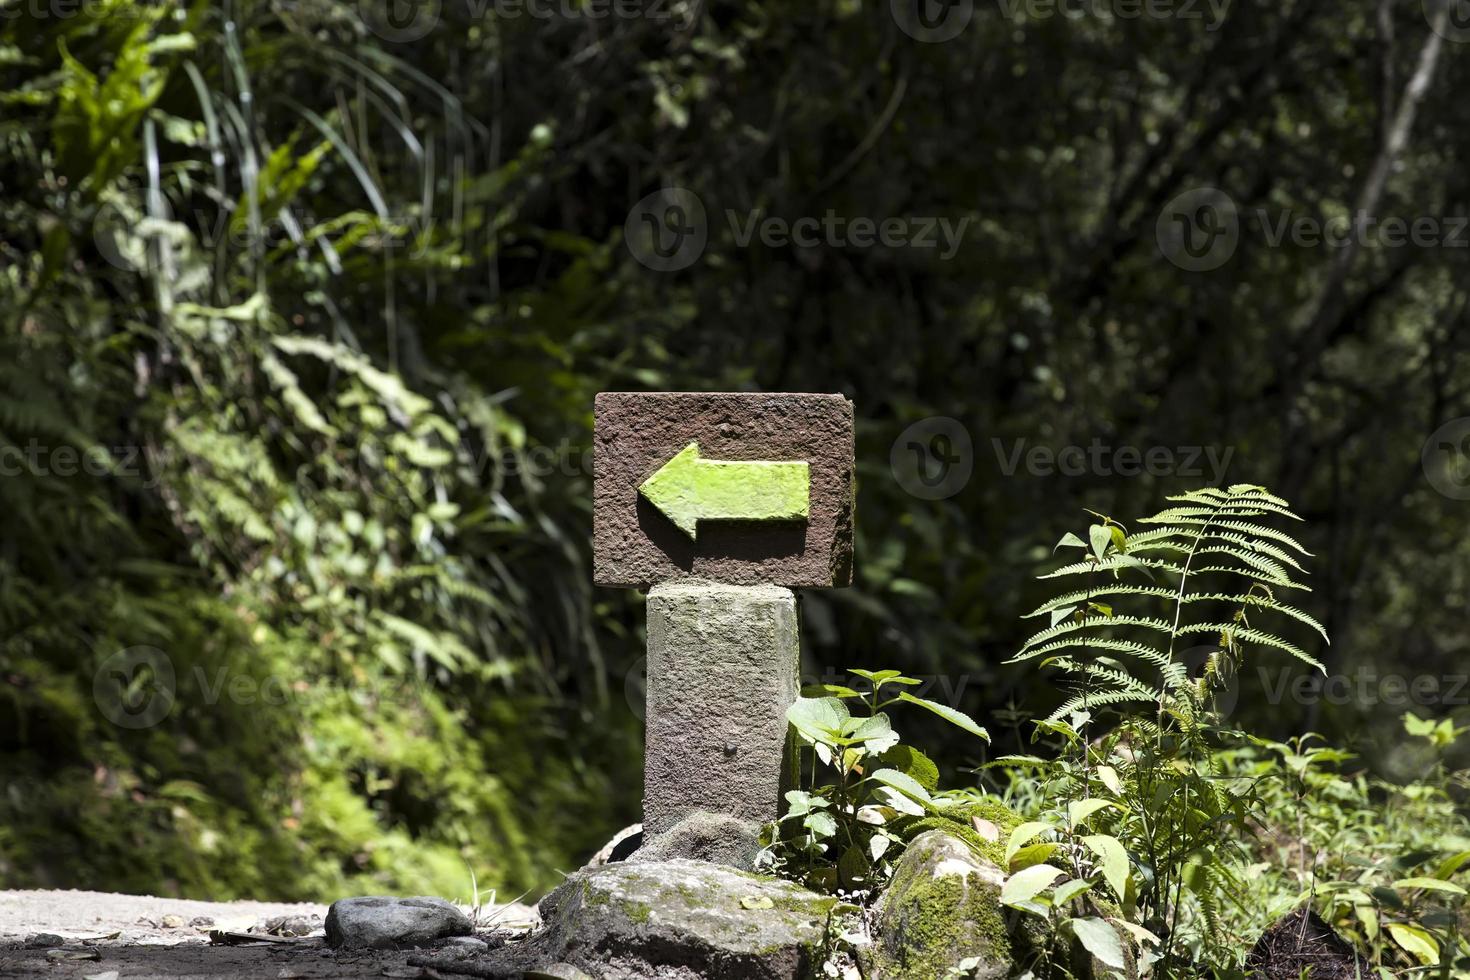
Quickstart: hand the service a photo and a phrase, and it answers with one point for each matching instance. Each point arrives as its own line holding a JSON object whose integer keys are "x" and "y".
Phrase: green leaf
{"x": 1069, "y": 540}
{"x": 819, "y": 719}
{"x": 880, "y": 677}
{"x": 859, "y": 730}
{"x": 1101, "y": 940}
{"x": 828, "y": 691}
{"x": 1024, "y": 834}
{"x": 1112, "y": 861}
{"x": 1079, "y": 811}
{"x": 1101, "y": 538}
{"x": 821, "y": 823}
{"x": 902, "y": 782}
{"x": 1027, "y": 884}
{"x": 1416, "y": 941}
{"x": 1109, "y": 777}
{"x": 853, "y": 866}
{"x": 757, "y": 902}
{"x": 1066, "y": 892}
{"x": 911, "y": 762}
{"x": 1430, "y": 884}
{"x": 956, "y": 718}
{"x": 799, "y": 803}
{"x": 1032, "y": 854}
{"x": 1452, "y": 864}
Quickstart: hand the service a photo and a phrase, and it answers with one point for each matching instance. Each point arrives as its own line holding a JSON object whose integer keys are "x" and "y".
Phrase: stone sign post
{"x": 720, "y": 504}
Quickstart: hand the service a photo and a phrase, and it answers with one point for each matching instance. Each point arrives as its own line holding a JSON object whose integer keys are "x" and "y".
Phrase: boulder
{"x": 382, "y": 922}
{"x": 701, "y": 836}
{"x": 941, "y": 912}
{"x": 623, "y": 844}
{"x": 678, "y": 920}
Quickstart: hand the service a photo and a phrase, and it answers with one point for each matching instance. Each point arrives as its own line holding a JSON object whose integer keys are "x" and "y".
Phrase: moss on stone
{"x": 957, "y": 822}
{"x": 932, "y": 919}
{"x": 637, "y": 912}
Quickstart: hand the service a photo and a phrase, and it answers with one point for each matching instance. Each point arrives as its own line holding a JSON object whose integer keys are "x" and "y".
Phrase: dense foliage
{"x": 301, "y": 315}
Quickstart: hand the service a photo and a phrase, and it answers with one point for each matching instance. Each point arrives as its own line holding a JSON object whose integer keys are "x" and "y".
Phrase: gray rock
{"x": 702, "y": 836}
{"x": 287, "y": 926}
{"x": 383, "y": 922}
{"x": 941, "y": 910}
{"x": 678, "y": 920}
{"x": 723, "y": 667}
{"x": 43, "y": 940}
{"x": 560, "y": 971}
{"x": 623, "y": 843}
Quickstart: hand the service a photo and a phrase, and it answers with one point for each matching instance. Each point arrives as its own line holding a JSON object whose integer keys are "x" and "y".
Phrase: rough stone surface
{"x": 941, "y": 908}
{"x": 702, "y": 836}
{"x": 636, "y": 433}
{"x": 679, "y": 920}
{"x": 622, "y": 844}
{"x": 723, "y": 667}
{"x": 382, "y": 922}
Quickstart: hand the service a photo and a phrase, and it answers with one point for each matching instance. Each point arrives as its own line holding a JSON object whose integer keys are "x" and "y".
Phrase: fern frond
{"x": 1208, "y": 519}
{"x": 1098, "y": 700}
{"x": 1164, "y": 537}
{"x": 1117, "y": 678}
{"x": 1158, "y": 658}
{"x": 1108, "y": 589}
{"x": 1252, "y": 635}
{"x": 1258, "y": 601}
{"x": 1273, "y": 571}
{"x": 1113, "y": 563}
{"x": 1090, "y": 622}
{"x": 1232, "y": 570}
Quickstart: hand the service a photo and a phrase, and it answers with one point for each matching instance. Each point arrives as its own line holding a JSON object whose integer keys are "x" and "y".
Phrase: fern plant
{"x": 1222, "y": 558}
{"x": 1162, "y": 618}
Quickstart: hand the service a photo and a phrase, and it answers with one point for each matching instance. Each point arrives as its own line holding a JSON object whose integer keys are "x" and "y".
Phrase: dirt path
{"x": 138, "y": 936}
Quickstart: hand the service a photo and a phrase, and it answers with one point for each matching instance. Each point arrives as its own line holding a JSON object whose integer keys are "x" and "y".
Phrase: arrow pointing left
{"x": 689, "y": 489}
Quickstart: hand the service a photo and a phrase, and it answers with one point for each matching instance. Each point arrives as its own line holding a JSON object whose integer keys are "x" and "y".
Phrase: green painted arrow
{"x": 689, "y": 489}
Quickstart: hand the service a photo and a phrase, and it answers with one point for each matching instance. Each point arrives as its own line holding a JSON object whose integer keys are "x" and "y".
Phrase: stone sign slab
{"x": 735, "y": 487}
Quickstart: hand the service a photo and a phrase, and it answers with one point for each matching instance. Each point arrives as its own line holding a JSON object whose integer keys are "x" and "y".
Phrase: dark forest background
{"x": 303, "y": 306}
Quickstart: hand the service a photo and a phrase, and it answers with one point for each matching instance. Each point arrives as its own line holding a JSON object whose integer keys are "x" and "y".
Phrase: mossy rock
{"x": 680, "y": 920}
{"x": 941, "y": 911}
{"x": 957, "y": 821}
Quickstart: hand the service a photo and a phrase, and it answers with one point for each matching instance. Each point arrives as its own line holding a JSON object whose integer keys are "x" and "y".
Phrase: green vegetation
{"x": 1162, "y": 828}
{"x": 1151, "y": 834}
{"x": 386, "y": 670}
{"x": 842, "y": 833}
{"x": 301, "y": 320}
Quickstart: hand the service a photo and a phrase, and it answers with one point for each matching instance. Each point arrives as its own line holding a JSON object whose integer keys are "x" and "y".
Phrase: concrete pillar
{"x": 723, "y": 667}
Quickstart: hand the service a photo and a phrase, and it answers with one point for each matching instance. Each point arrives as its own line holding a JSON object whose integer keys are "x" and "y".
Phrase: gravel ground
{"x": 127, "y": 936}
